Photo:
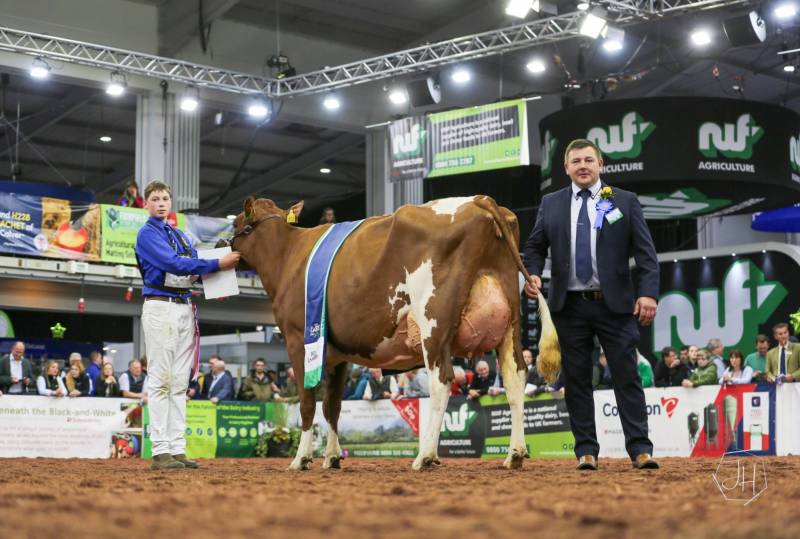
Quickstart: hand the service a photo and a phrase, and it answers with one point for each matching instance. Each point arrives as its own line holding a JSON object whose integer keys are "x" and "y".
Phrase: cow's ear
{"x": 248, "y": 207}
{"x": 294, "y": 212}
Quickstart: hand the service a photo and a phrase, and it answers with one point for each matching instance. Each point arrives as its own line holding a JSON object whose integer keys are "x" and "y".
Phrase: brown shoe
{"x": 166, "y": 462}
{"x": 186, "y": 462}
{"x": 644, "y": 461}
{"x": 587, "y": 462}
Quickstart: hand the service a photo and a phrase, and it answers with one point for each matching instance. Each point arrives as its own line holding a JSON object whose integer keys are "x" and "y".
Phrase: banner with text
{"x": 120, "y": 226}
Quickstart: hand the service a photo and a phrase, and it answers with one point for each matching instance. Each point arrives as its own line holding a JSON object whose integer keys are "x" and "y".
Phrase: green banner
{"x": 120, "y": 226}
{"x": 201, "y": 429}
{"x": 237, "y": 428}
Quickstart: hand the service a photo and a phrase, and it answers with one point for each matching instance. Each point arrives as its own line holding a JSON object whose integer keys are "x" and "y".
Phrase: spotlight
{"x": 733, "y": 254}
{"x": 789, "y": 68}
{"x": 259, "y": 109}
{"x": 520, "y": 8}
{"x": 701, "y": 37}
{"x": 705, "y": 257}
{"x": 675, "y": 260}
{"x": 398, "y": 96}
{"x": 763, "y": 251}
{"x": 105, "y": 139}
{"x": 39, "y": 68}
{"x": 614, "y": 39}
{"x": 191, "y": 99}
{"x": 324, "y": 170}
{"x": 461, "y": 75}
{"x": 745, "y": 29}
{"x": 787, "y": 10}
{"x": 117, "y": 85}
{"x": 281, "y": 66}
{"x": 231, "y": 217}
{"x": 594, "y": 24}
{"x": 582, "y": 6}
{"x": 331, "y": 102}
{"x": 536, "y": 66}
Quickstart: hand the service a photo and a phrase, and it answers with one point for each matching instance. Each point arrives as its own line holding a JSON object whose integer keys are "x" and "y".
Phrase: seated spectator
{"x": 16, "y": 371}
{"x": 50, "y": 383}
{"x": 94, "y": 368}
{"x": 481, "y": 382}
{"x": 783, "y": 361}
{"x": 757, "y": 361}
{"x": 497, "y": 385}
{"x": 527, "y": 357}
{"x": 106, "y": 384}
{"x": 132, "y": 381}
{"x": 290, "y": 392}
{"x": 715, "y": 350}
{"x": 353, "y": 383}
{"x": 601, "y": 373}
{"x": 258, "y": 386}
{"x": 416, "y": 384}
{"x": 670, "y": 371}
{"x": 645, "y": 370}
{"x": 220, "y": 388}
{"x": 705, "y": 374}
{"x": 736, "y": 374}
{"x": 380, "y": 386}
{"x": 77, "y": 381}
{"x": 460, "y": 386}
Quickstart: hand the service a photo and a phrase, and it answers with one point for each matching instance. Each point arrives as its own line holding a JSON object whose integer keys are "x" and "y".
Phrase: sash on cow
{"x": 317, "y": 273}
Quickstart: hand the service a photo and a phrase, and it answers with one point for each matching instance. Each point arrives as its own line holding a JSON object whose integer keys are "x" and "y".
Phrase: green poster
{"x": 237, "y": 428}
{"x": 120, "y": 226}
{"x": 201, "y": 429}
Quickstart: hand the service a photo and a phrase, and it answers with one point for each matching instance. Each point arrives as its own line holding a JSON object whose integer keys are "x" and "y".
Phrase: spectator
{"x": 715, "y": 350}
{"x": 16, "y": 372}
{"x": 208, "y": 376}
{"x": 758, "y": 359}
{"x": 328, "y": 216}
{"x": 49, "y": 383}
{"x": 221, "y": 386}
{"x": 258, "y": 386}
{"x": 130, "y": 197}
{"x": 380, "y": 387}
{"x": 290, "y": 393}
{"x": 527, "y": 357}
{"x": 601, "y": 374}
{"x": 273, "y": 375}
{"x": 692, "y": 353}
{"x": 106, "y": 384}
{"x": 783, "y": 361}
{"x": 534, "y": 384}
{"x": 131, "y": 382}
{"x": 143, "y": 361}
{"x": 705, "y": 374}
{"x": 645, "y": 370}
{"x": 683, "y": 355}
{"x": 94, "y": 368}
{"x": 481, "y": 382}
{"x": 77, "y": 381}
{"x": 497, "y": 386}
{"x": 459, "y": 385}
{"x": 671, "y": 371}
{"x": 73, "y": 357}
{"x": 354, "y": 382}
{"x": 736, "y": 373}
{"x": 416, "y": 384}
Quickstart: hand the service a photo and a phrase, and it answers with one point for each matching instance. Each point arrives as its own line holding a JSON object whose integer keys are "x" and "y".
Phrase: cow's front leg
{"x": 305, "y": 449}
{"x": 514, "y": 383}
{"x": 429, "y": 440}
{"x": 331, "y": 406}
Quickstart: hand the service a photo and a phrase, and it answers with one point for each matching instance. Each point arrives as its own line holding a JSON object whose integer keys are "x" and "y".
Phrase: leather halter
{"x": 248, "y": 228}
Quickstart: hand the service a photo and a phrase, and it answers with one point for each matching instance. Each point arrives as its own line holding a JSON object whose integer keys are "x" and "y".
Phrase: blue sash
{"x": 317, "y": 272}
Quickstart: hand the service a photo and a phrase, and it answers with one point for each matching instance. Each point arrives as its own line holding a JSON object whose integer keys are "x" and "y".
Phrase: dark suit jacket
{"x": 5, "y": 373}
{"x": 223, "y": 389}
{"x": 616, "y": 243}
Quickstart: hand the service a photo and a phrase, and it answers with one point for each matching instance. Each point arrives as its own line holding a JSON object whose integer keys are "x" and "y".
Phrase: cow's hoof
{"x": 334, "y": 463}
{"x": 426, "y": 463}
{"x": 301, "y": 463}
{"x": 514, "y": 460}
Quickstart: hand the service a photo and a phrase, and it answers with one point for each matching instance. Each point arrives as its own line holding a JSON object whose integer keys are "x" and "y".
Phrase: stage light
{"x": 763, "y": 251}
{"x": 787, "y": 10}
{"x": 117, "y": 85}
{"x": 324, "y": 170}
{"x": 614, "y": 39}
{"x": 594, "y": 24}
{"x": 705, "y": 257}
{"x": 733, "y": 254}
{"x": 191, "y": 99}
{"x": 675, "y": 260}
{"x": 39, "y": 68}
{"x": 701, "y": 37}
{"x": 331, "y": 102}
{"x": 582, "y": 6}
{"x": 105, "y": 139}
{"x": 231, "y": 217}
{"x": 461, "y": 75}
{"x": 398, "y": 96}
{"x": 788, "y": 68}
{"x": 536, "y": 66}
{"x": 259, "y": 109}
{"x": 520, "y": 8}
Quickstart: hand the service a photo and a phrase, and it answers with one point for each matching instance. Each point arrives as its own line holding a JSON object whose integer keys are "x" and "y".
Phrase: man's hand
{"x": 14, "y": 380}
{"x": 59, "y": 393}
{"x": 687, "y": 383}
{"x": 26, "y": 381}
{"x": 789, "y": 378}
{"x": 533, "y": 286}
{"x": 645, "y": 309}
{"x": 191, "y": 393}
{"x": 215, "y": 400}
{"x": 74, "y": 393}
{"x": 473, "y": 394}
{"x": 229, "y": 260}
{"x": 770, "y": 379}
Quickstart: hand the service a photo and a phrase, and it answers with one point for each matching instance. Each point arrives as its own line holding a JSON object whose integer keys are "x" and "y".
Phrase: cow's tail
{"x": 548, "y": 362}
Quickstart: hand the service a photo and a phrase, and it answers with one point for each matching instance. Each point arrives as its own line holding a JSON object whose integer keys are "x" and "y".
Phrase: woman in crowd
{"x": 50, "y": 383}
{"x": 77, "y": 381}
{"x": 131, "y": 198}
{"x": 74, "y": 358}
{"x": 106, "y": 384}
{"x": 736, "y": 374}
{"x": 705, "y": 374}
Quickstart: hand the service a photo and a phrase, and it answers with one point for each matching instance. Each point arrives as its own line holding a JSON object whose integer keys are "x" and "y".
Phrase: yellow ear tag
{"x": 291, "y": 218}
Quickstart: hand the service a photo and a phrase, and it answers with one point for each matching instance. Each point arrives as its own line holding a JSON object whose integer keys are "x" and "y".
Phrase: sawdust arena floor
{"x": 383, "y": 498}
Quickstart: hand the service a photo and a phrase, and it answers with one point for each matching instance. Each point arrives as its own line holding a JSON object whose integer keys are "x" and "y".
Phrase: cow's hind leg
{"x": 429, "y": 441}
{"x": 514, "y": 383}
{"x": 305, "y": 449}
{"x": 331, "y": 407}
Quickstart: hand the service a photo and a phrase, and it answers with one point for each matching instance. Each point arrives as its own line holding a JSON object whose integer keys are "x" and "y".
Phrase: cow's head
{"x": 265, "y": 215}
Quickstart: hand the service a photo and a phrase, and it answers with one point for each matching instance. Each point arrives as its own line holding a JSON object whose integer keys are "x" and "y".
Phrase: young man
{"x": 169, "y": 264}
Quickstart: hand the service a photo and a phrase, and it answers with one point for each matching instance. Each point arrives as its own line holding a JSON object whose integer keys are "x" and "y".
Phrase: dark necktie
{"x": 783, "y": 361}
{"x": 583, "y": 241}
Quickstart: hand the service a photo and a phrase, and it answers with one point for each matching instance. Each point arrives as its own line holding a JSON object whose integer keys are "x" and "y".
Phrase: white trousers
{"x": 169, "y": 344}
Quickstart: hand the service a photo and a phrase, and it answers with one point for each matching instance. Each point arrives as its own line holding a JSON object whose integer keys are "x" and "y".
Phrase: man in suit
{"x": 220, "y": 387}
{"x": 783, "y": 361}
{"x": 16, "y": 373}
{"x": 592, "y": 293}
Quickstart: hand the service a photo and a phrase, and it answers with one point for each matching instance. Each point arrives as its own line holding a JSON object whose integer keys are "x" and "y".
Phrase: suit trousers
{"x": 170, "y": 345}
{"x": 577, "y": 324}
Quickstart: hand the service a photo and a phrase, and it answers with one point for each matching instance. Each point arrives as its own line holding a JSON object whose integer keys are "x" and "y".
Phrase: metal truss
{"x": 528, "y": 34}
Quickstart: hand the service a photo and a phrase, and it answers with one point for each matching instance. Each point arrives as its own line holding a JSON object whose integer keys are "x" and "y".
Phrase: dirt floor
{"x": 383, "y": 498}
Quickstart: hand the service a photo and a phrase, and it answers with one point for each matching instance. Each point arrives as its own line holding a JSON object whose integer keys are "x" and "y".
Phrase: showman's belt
{"x": 588, "y": 295}
{"x": 167, "y": 298}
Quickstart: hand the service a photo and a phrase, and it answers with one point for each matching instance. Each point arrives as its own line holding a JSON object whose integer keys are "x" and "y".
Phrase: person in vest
{"x": 49, "y": 383}
{"x": 169, "y": 265}
{"x": 106, "y": 384}
{"x": 77, "y": 381}
{"x": 380, "y": 386}
{"x": 131, "y": 382}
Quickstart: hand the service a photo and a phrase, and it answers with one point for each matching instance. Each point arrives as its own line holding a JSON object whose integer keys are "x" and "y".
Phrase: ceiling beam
{"x": 179, "y": 21}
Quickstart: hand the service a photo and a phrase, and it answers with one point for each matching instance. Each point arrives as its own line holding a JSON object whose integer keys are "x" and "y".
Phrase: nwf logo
{"x": 459, "y": 421}
{"x": 731, "y": 140}
{"x": 731, "y": 313}
{"x": 548, "y": 152}
{"x": 794, "y": 153}
{"x": 409, "y": 142}
{"x": 625, "y": 140}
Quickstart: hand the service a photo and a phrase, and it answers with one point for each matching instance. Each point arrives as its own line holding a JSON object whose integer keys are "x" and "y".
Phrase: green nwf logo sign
{"x": 624, "y": 140}
{"x": 410, "y": 142}
{"x": 734, "y": 141}
{"x": 458, "y": 422}
{"x": 548, "y": 152}
{"x": 794, "y": 153}
{"x": 731, "y": 312}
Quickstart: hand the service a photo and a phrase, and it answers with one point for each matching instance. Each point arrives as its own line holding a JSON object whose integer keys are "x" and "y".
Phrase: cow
{"x": 413, "y": 288}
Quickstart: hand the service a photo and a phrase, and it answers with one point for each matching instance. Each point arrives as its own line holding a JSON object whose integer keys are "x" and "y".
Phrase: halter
{"x": 248, "y": 228}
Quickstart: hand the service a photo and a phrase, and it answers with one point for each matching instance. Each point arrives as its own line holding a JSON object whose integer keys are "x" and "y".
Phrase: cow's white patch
{"x": 419, "y": 286}
{"x": 305, "y": 451}
{"x": 449, "y": 206}
{"x": 429, "y": 440}
{"x": 332, "y": 450}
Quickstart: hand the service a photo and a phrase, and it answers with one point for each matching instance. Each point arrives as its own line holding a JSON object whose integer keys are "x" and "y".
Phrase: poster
{"x": 120, "y": 226}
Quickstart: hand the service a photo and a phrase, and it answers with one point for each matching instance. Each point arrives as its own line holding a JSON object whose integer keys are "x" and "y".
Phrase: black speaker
{"x": 747, "y": 29}
{"x": 424, "y": 92}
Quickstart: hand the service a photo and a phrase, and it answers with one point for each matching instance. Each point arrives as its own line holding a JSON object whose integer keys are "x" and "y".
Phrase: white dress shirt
{"x": 41, "y": 385}
{"x": 575, "y": 208}
{"x": 16, "y": 372}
